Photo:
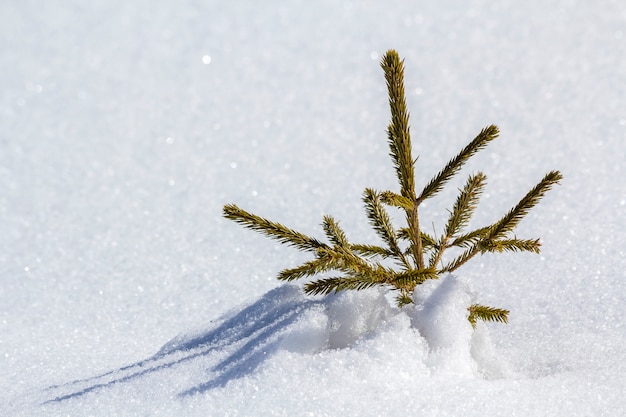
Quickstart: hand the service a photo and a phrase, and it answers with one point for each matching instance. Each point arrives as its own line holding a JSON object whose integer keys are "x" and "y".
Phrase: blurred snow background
{"x": 125, "y": 127}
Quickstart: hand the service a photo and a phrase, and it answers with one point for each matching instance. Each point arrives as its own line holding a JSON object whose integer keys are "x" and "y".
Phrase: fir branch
{"x": 334, "y": 233}
{"x": 511, "y": 245}
{"x": 470, "y": 239}
{"x": 489, "y": 245}
{"x": 343, "y": 259}
{"x": 396, "y": 200}
{"x": 460, "y": 260}
{"x": 327, "y": 286}
{"x": 415, "y": 235}
{"x": 310, "y": 268}
{"x": 274, "y": 230}
{"x": 485, "y": 313}
{"x": 428, "y": 241}
{"x": 381, "y": 222}
{"x": 465, "y": 204}
{"x": 334, "y": 259}
{"x": 498, "y": 231}
{"x": 398, "y": 133}
{"x": 399, "y": 139}
{"x": 409, "y": 279}
{"x": 372, "y": 250}
{"x": 403, "y": 234}
{"x": 403, "y": 299}
{"x": 461, "y": 213}
{"x": 454, "y": 165}
{"x": 501, "y": 228}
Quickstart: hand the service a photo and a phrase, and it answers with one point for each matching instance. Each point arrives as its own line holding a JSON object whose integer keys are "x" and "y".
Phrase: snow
{"x": 126, "y": 126}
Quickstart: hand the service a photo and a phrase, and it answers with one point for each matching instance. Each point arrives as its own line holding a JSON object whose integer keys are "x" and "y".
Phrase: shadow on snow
{"x": 250, "y": 336}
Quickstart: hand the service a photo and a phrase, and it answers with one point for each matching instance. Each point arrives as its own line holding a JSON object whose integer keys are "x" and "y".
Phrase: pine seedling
{"x": 414, "y": 256}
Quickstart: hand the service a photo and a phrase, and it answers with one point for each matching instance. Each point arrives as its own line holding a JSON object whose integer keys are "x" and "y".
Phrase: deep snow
{"x": 127, "y": 126}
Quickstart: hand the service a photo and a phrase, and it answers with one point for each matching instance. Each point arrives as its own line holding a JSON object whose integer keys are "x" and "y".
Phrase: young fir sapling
{"x": 417, "y": 256}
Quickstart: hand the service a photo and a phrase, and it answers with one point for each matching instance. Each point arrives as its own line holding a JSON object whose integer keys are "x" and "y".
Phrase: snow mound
{"x": 434, "y": 335}
{"x": 455, "y": 349}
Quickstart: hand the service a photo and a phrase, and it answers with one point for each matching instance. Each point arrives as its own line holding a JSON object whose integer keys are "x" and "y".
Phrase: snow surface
{"x": 125, "y": 127}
